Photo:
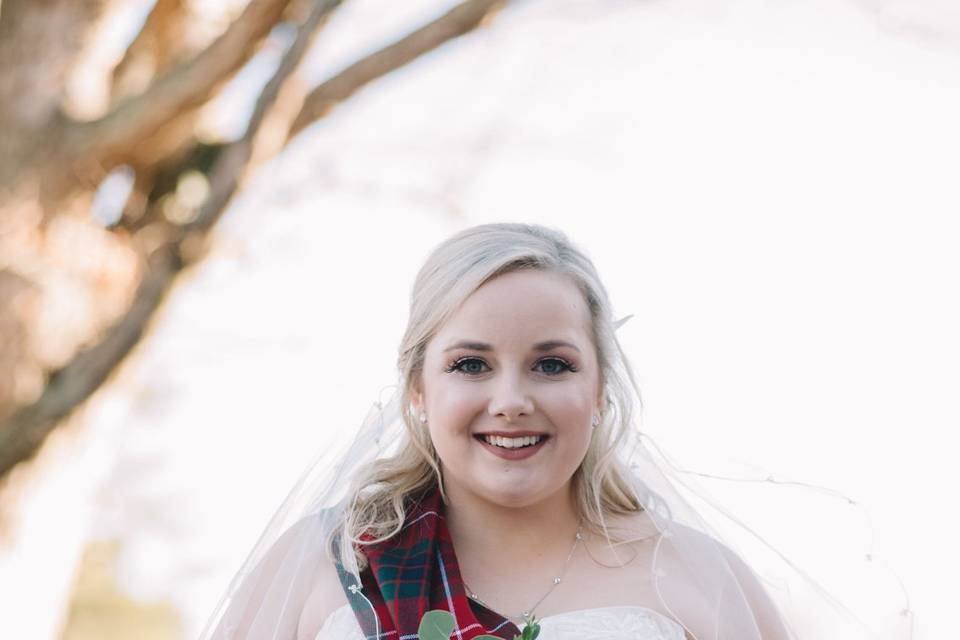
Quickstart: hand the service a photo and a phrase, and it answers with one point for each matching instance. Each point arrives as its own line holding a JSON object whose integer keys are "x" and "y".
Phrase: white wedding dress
{"x": 605, "y": 623}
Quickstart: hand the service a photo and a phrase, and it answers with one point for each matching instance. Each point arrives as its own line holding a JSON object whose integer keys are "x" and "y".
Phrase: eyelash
{"x": 457, "y": 365}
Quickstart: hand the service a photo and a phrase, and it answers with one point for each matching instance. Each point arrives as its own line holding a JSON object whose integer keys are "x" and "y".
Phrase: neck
{"x": 511, "y": 532}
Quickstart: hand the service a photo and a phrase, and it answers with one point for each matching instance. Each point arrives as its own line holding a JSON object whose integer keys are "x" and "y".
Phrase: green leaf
{"x": 436, "y": 625}
{"x": 531, "y": 631}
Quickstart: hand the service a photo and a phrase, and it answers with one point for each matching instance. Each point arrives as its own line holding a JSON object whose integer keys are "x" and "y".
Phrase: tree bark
{"x": 39, "y": 40}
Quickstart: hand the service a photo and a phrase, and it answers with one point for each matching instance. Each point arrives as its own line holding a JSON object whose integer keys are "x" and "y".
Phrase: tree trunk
{"x": 162, "y": 232}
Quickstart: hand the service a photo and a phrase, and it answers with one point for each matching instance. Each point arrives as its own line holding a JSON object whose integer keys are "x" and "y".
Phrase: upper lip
{"x": 510, "y": 434}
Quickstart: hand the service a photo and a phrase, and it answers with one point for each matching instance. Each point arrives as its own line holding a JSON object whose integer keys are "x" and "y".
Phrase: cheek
{"x": 571, "y": 413}
{"x": 452, "y": 406}
{"x": 571, "y": 406}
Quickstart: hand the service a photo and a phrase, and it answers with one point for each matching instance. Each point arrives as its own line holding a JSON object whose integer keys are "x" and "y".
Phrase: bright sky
{"x": 769, "y": 186}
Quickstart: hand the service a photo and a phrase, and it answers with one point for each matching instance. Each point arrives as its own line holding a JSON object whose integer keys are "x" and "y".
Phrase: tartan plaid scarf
{"x": 414, "y": 572}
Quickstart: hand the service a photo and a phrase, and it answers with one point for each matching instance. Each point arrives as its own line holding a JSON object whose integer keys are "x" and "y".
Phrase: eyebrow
{"x": 553, "y": 344}
{"x": 546, "y": 345}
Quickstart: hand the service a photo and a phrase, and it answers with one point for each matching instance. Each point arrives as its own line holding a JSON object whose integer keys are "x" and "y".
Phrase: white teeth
{"x": 512, "y": 443}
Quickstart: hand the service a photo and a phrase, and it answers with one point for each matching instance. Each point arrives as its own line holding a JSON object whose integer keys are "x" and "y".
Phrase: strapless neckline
{"x": 604, "y": 621}
{"x": 622, "y": 608}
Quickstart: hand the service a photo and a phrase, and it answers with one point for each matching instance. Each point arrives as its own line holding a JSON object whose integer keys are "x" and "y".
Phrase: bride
{"x": 504, "y": 483}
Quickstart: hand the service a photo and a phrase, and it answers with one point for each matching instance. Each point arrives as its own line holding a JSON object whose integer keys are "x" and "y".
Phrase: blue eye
{"x": 469, "y": 366}
{"x": 553, "y": 366}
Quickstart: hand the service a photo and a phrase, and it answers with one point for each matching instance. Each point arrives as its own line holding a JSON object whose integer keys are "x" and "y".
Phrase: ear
{"x": 601, "y": 397}
{"x": 416, "y": 394}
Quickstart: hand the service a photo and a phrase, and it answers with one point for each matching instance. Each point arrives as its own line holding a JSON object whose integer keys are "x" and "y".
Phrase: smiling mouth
{"x": 502, "y": 442}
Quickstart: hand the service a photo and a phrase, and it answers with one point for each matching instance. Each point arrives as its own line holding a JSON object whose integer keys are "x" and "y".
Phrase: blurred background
{"x": 211, "y": 212}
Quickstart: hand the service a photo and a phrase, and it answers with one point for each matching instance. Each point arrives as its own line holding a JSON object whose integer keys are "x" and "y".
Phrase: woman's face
{"x": 510, "y": 384}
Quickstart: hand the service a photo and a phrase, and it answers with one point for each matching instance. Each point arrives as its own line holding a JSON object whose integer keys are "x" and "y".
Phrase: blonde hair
{"x": 452, "y": 272}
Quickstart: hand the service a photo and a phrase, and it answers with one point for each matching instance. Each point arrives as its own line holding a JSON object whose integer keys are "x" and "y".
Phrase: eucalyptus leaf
{"x": 436, "y": 625}
{"x": 531, "y": 630}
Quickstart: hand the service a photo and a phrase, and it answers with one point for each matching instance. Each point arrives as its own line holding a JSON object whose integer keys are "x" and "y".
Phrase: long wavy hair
{"x": 454, "y": 270}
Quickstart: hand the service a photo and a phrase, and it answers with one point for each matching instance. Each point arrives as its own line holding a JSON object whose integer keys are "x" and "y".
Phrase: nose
{"x": 509, "y": 400}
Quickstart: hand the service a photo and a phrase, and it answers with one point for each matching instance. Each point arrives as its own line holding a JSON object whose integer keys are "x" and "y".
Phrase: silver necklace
{"x": 527, "y": 616}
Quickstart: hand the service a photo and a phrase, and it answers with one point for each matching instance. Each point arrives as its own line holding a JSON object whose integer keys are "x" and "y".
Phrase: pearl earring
{"x": 596, "y": 420}
{"x": 423, "y": 418}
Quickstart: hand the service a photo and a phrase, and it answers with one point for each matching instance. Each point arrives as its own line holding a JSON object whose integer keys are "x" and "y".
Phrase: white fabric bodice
{"x": 605, "y": 623}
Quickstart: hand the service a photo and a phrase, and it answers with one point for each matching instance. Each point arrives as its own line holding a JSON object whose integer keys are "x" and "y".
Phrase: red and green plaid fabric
{"x": 414, "y": 572}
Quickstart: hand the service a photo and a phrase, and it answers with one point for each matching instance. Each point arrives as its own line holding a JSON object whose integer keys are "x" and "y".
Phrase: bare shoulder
{"x": 325, "y": 597}
{"x": 644, "y": 538}
{"x": 291, "y": 575}
{"x": 765, "y": 612}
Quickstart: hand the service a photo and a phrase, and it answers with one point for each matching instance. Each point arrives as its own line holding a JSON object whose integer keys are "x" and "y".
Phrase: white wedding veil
{"x": 705, "y": 584}
{"x": 711, "y": 571}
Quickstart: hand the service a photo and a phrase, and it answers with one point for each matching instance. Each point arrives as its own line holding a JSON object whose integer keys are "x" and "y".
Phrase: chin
{"x": 514, "y": 497}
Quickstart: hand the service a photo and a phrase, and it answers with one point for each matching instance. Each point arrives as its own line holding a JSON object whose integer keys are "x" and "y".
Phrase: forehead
{"x": 520, "y": 308}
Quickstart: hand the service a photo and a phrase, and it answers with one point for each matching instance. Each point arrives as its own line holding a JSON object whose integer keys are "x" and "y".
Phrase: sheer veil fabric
{"x": 701, "y": 579}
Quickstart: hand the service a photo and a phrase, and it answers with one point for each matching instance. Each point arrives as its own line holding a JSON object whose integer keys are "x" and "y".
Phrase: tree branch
{"x": 26, "y": 430}
{"x": 189, "y": 85}
{"x": 458, "y": 21}
{"x": 155, "y": 49}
